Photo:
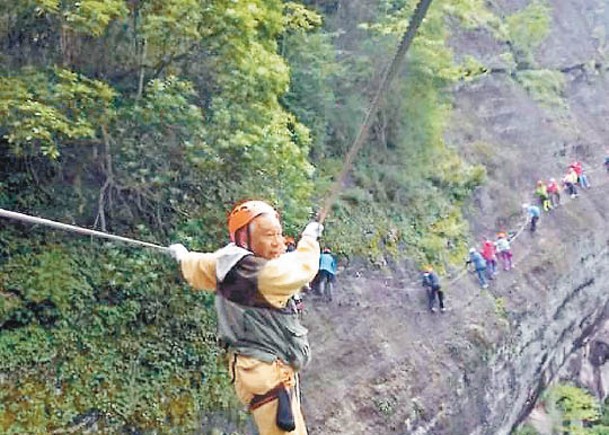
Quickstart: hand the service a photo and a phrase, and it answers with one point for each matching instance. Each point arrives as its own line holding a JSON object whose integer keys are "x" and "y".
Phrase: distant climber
{"x": 327, "y": 274}
{"x": 533, "y": 214}
{"x": 570, "y": 180}
{"x": 431, "y": 282}
{"x": 542, "y": 193}
{"x": 290, "y": 244}
{"x": 504, "y": 250}
{"x": 554, "y": 192}
{"x": 254, "y": 281}
{"x": 582, "y": 179}
{"x": 298, "y": 304}
{"x": 479, "y": 266}
{"x": 606, "y": 162}
{"x": 489, "y": 254}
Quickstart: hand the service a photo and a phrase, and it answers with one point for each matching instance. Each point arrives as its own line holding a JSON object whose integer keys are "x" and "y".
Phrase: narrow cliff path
{"x": 382, "y": 361}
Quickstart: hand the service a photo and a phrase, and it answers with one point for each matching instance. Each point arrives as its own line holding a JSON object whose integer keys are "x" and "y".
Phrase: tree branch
{"x": 107, "y": 169}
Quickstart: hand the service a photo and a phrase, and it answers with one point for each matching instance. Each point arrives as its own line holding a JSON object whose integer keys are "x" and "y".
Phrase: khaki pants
{"x": 254, "y": 377}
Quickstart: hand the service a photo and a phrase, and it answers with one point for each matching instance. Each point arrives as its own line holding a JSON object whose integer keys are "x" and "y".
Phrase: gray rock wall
{"x": 382, "y": 364}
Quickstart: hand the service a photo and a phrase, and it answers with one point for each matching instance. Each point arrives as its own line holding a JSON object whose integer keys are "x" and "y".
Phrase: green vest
{"x": 247, "y": 323}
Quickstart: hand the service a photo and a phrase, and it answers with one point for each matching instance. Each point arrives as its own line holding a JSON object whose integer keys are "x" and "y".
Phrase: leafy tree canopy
{"x": 150, "y": 118}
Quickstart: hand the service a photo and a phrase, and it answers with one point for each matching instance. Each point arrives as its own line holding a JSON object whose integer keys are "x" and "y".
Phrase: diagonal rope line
{"x": 412, "y": 287}
{"x": 390, "y": 73}
{"x": 74, "y": 229}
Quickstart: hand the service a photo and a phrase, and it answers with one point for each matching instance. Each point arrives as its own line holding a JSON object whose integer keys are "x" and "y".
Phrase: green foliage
{"x": 170, "y": 27}
{"x": 407, "y": 186}
{"x": 473, "y": 14}
{"x": 167, "y": 109}
{"x": 470, "y": 69}
{"x": 386, "y": 406}
{"x": 121, "y": 341}
{"x": 544, "y": 86}
{"x": 163, "y": 145}
{"x": 526, "y": 430}
{"x": 298, "y": 17}
{"x": 86, "y": 16}
{"x": 575, "y": 407}
{"x": 573, "y": 411}
{"x": 39, "y": 111}
{"x": 51, "y": 280}
{"x": 500, "y": 308}
{"x": 162, "y": 114}
{"x": 263, "y": 148}
{"x": 527, "y": 29}
{"x": 604, "y": 418}
{"x": 312, "y": 95}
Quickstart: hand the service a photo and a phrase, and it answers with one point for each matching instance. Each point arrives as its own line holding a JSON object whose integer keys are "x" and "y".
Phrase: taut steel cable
{"x": 74, "y": 229}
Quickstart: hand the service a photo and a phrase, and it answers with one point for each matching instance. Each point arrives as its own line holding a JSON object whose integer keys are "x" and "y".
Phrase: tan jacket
{"x": 571, "y": 177}
{"x": 278, "y": 280}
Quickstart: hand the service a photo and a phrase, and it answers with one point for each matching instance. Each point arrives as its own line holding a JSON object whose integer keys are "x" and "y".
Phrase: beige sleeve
{"x": 199, "y": 270}
{"x": 283, "y": 277}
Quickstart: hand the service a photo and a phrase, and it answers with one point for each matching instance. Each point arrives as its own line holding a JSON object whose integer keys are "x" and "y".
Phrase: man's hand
{"x": 177, "y": 251}
{"x": 313, "y": 229}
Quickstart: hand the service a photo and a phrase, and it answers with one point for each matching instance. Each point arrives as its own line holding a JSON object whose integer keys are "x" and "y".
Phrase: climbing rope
{"x": 464, "y": 271}
{"x": 512, "y": 240}
{"x": 74, "y": 229}
{"x": 389, "y": 75}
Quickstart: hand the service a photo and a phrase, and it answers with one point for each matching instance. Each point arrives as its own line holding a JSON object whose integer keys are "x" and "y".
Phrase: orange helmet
{"x": 428, "y": 268}
{"x": 246, "y": 212}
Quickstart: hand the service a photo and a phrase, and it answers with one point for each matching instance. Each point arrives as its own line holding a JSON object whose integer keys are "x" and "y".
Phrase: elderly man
{"x": 254, "y": 280}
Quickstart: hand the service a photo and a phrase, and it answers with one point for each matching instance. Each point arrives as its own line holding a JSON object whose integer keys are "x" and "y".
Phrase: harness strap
{"x": 233, "y": 369}
{"x": 262, "y": 399}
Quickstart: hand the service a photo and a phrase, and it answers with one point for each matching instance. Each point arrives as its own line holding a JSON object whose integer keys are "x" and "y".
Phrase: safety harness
{"x": 262, "y": 399}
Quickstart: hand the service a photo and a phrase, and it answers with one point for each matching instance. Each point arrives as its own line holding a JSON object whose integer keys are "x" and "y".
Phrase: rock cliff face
{"x": 384, "y": 365}
{"x": 588, "y": 364}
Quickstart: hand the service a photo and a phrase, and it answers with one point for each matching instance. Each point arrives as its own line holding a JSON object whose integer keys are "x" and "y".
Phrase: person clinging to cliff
{"x": 290, "y": 244}
{"x": 570, "y": 180}
{"x": 504, "y": 250}
{"x": 489, "y": 254}
{"x": 554, "y": 192}
{"x": 327, "y": 274}
{"x": 254, "y": 281}
{"x": 533, "y": 213}
{"x": 479, "y": 263}
{"x": 431, "y": 283}
{"x": 542, "y": 193}
{"x": 582, "y": 178}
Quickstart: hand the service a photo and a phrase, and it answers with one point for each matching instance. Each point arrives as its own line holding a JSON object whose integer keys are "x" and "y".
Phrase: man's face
{"x": 267, "y": 237}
